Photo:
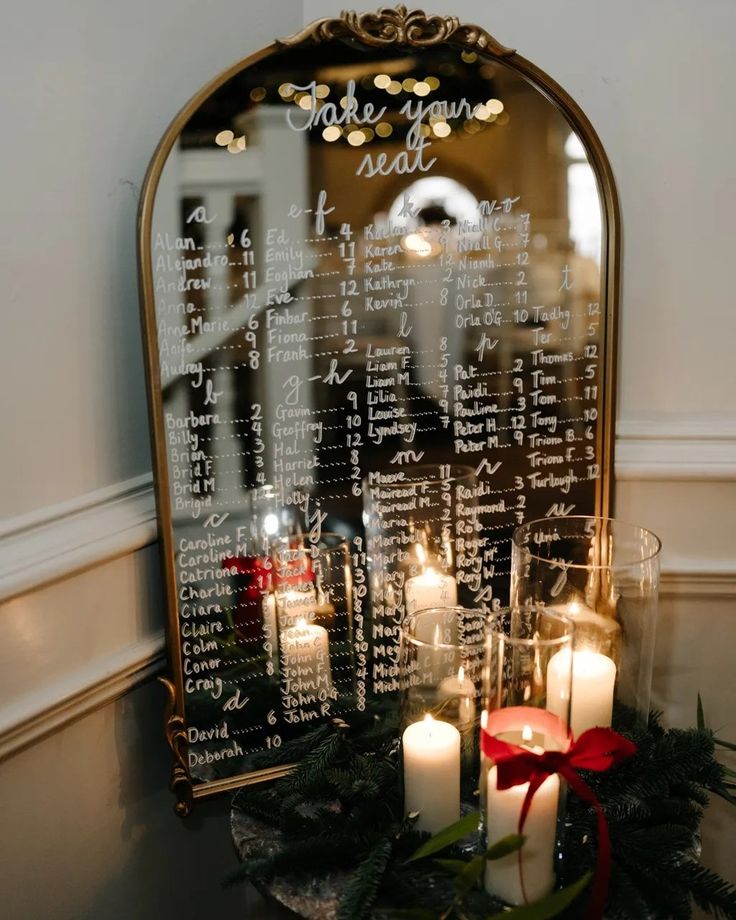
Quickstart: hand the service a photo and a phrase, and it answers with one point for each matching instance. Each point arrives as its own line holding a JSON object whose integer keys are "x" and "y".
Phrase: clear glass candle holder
{"x": 308, "y": 621}
{"x": 526, "y": 696}
{"x": 249, "y": 611}
{"x": 604, "y": 575}
{"x": 423, "y": 549}
{"x": 441, "y": 664}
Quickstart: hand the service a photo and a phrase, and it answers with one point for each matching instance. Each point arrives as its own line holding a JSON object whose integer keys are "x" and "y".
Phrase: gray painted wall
{"x": 89, "y": 87}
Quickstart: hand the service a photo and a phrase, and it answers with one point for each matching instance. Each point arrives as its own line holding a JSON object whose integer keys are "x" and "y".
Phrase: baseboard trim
{"x": 66, "y": 538}
{"x": 687, "y": 449}
{"x": 33, "y": 717}
{"x": 691, "y": 581}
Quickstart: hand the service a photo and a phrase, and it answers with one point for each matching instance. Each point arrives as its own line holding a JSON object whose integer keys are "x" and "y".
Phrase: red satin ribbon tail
{"x": 597, "y": 749}
{"x": 599, "y": 892}
{"x": 534, "y": 783}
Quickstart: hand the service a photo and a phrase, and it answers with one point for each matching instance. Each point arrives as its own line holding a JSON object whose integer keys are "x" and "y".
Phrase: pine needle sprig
{"x": 625, "y": 900}
{"x": 362, "y": 891}
{"x": 710, "y": 892}
{"x": 291, "y": 751}
{"x": 311, "y": 770}
{"x": 341, "y": 809}
{"x": 309, "y": 855}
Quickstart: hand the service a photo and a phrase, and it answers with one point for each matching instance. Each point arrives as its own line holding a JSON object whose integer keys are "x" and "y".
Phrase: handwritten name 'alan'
{"x": 322, "y": 113}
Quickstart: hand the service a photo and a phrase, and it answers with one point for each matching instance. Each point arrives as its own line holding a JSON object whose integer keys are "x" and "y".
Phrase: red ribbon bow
{"x": 597, "y": 749}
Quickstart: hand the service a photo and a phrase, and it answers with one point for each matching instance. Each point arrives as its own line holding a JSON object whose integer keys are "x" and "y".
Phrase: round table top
{"x": 303, "y": 896}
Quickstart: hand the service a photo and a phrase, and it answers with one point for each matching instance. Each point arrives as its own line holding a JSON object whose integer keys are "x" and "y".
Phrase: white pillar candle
{"x": 430, "y": 589}
{"x": 296, "y": 604}
{"x": 436, "y": 629}
{"x": 432, "y": 659}
{"x": 306, "y": 660}
{"x": 431, "y": 752}
{"x": 593, "y": 680}
{"x": 461, "y": 692}
{"x": 529, "y": 874}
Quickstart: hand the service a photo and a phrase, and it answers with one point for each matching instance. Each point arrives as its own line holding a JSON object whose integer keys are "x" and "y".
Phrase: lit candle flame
{"x": 527, "y": 734}
{"x": 461, "y": 675}
{"x": 421, "y": 554}
{"x": 413, "y": 242}
{"x": 430, "y": 576}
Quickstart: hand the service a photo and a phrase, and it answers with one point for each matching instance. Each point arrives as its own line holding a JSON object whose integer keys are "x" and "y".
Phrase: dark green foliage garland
{"x": 341, "y": 808}
{"x": 654, "y": 804}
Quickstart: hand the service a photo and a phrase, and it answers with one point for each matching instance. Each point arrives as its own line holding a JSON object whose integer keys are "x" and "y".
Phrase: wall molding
{"x": 36, "y": 715}
{"x": 698, "y": 582}
{"x": 101, "y": 682}
{"x": 66, "y": 538}
{"x": 55, "y": 705}
{"x": 684, "y": 448}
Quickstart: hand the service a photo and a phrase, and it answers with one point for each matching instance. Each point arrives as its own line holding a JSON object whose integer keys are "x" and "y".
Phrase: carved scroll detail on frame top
{"x": 176, "y": 736}
{"x": 399, "y": 26}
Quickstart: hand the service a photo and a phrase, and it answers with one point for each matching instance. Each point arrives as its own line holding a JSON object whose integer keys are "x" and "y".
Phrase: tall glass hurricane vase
{"x": 604, "y": 575}
{"x": 441, "y": 663}
{"x": 422, "y": 547}
{"x": 308, "y": 621}
{"x": 526, "y": 684}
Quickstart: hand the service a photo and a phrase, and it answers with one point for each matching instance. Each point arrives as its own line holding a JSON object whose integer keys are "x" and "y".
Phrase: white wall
{"x": 88, "y": 826}
{"x": 89, "y": 88}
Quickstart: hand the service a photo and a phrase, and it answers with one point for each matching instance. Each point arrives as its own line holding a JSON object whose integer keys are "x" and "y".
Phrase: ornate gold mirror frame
{"x": 389, "y": 27}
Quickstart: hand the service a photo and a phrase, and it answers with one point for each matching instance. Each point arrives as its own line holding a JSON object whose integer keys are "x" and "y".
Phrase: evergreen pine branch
{"x": 665, "y": 895}
{"x": 313, "y": 765}
{"x": 314, "y": 853}
{"x": 728, "y": 793}
{"x": 682, "y": 811}
{"x": 311, "y": 855}
{"x": 291, "y": 751}
{"x": 625, "y": 900}
{"x": 250, "y": 870}
{"x": 710, "y": 892}
{"x": 341, "y": 808}
{"x": 627, "y": 808}
{"x": 659, "y": 845}
{"x": 362, "y": 891}
{"x": 256, "y": 804}
{"x": 692, "y": 791}
{"x": 354, "y": 784}
{"x": 381, "y": 733}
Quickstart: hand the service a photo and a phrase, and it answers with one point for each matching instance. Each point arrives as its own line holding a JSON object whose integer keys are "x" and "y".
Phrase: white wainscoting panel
{"x": 59, "y": 540}
{"x": 683, "y": 448}
{"x": 53, "y": 706}
{"x": 679, "y": 479}
{"x": 77, "y": 643}
{"x": 89, "y": 831}
{"x": 85, "y": 609}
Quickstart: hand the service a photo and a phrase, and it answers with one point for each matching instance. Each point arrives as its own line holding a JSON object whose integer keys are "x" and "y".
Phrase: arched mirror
{"x": 379, "y": 268}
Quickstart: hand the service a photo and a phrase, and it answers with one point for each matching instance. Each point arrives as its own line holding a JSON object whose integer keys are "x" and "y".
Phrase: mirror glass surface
{"x": 378, "y": 314}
